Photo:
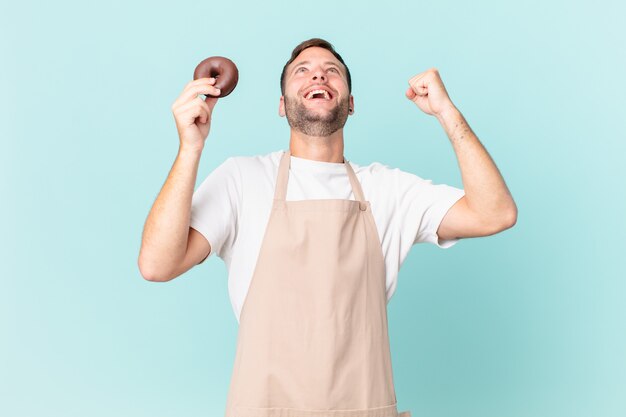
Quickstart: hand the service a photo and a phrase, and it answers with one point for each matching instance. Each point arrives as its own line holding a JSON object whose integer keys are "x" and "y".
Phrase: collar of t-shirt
{"x": 310, "y": 165}
{"x": 312, "y": 179}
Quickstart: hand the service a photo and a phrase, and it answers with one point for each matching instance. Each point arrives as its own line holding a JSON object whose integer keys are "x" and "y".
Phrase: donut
{"x": 222, "y": 69}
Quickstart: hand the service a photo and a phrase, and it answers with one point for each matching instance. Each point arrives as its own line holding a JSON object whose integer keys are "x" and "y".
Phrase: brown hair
{"x": 321, "y": 43}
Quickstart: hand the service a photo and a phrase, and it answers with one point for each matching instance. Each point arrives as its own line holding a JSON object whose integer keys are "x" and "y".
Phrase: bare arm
{"x": 487, "y": 207}
{"x": 166, "y": 233}
{"x": 169, "y": 246}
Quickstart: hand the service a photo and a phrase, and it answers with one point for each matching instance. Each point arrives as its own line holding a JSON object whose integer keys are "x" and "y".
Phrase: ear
{"x": 351, "y": 104}
{"x": 281, "y": 107}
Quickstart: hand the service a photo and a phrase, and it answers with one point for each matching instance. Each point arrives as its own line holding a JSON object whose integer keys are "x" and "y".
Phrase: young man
{"x": 313, "y": 242}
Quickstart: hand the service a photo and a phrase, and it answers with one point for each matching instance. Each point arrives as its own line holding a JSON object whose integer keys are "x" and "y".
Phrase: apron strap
{"x": 356, "y": 185}
{"x": 280, "y": 193}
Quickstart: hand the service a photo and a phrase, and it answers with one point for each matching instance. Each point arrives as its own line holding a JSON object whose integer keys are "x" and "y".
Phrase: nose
{"x": 318, "y": 75}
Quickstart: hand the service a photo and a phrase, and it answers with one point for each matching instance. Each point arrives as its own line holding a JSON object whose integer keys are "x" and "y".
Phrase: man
{"x": 317, "y": 263}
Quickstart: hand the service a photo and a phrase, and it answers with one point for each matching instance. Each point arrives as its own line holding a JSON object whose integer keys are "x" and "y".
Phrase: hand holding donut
{"x": 214, "y": 77}
{"x": 193, "y": 114}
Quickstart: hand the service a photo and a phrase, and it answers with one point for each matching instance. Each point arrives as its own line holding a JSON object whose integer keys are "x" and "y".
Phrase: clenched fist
{"x": 428, "y": 93}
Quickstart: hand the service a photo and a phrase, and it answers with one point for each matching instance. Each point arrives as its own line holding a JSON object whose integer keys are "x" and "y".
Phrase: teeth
{"x": 313, "y": 92}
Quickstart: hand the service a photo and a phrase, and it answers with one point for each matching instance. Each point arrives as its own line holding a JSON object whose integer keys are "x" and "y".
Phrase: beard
{"x": 313, "y": 122}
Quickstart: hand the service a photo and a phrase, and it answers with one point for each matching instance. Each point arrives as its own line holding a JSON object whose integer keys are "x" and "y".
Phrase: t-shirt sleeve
{"x": 215, "y": 207}
{"x": 422, "y": 206}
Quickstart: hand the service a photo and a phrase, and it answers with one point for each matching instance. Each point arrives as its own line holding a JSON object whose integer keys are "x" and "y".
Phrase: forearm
{"x": 165, "y": 234}
{"x": 485, "y": 190}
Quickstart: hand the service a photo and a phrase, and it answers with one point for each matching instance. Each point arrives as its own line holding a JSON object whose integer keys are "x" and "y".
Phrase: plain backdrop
{"x": 529, "y": 322}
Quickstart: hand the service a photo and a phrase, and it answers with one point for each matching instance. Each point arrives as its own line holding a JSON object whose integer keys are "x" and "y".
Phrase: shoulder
{"x": 255, "y": 170}
{"x": 252, "y": 161}
{"x": 373, "y": 169}
{"x": 384, "y": 174}
{"x": 394, "y": 186}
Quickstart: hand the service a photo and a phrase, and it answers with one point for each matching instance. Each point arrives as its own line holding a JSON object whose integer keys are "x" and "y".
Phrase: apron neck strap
{"x": 280, "y": 193}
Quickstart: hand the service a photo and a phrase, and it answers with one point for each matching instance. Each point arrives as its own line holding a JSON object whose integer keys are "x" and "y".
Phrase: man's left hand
{"x": 428, "y": 93}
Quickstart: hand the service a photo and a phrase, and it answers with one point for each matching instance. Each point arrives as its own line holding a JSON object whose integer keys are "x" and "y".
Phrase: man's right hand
{"x": 193, "y": 114}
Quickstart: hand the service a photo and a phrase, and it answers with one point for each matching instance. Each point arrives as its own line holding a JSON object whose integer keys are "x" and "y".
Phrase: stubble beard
{"x": 315, "y": 123}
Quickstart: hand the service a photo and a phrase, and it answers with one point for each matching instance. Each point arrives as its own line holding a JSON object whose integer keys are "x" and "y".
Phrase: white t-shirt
{"x": 231, "y": 209}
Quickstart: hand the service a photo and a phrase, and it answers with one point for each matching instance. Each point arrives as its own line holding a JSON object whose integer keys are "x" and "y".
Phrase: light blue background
{"x": 529, "y": 322}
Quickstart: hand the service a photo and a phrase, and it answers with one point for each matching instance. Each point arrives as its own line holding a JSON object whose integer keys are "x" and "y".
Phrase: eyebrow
{"x": 308, "y": 62}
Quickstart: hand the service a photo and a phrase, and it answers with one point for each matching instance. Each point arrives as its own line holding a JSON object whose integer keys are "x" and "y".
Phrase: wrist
{"x": 190, "y": 151}
{"x": 448, "y": 113}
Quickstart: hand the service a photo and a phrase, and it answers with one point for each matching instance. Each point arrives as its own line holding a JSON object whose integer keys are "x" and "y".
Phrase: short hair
{"x": 321, "y": 43}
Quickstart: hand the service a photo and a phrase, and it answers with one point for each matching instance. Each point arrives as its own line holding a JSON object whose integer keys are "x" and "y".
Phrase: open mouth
{"x": 318, "y": 94}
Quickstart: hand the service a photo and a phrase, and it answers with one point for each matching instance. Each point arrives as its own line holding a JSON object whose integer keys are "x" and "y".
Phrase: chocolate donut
{"x": 222, "y": 69}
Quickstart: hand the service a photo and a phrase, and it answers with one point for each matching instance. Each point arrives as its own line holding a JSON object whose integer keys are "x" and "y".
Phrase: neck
{"x": 317, "y": 148}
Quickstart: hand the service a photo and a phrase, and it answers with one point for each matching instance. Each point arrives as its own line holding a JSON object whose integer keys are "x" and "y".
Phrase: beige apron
{"x": 313, "y": 338}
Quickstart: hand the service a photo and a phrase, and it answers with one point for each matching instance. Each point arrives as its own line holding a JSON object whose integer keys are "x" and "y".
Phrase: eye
{"x": 333, "y": 69}
{"x": 301, "y": 68}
